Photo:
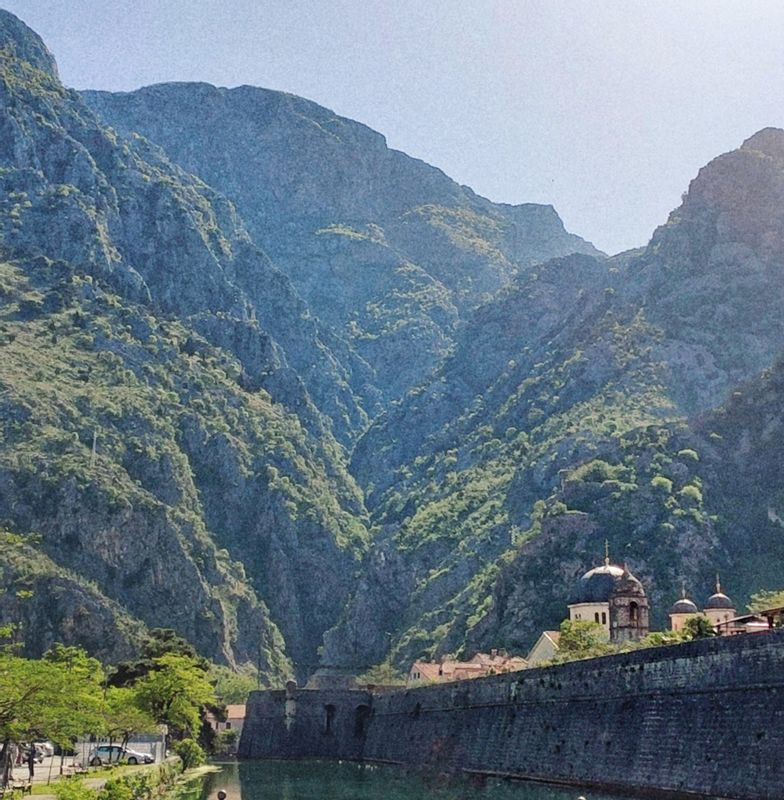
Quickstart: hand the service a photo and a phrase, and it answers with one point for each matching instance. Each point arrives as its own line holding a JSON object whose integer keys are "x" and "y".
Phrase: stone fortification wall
{"x": 705, "y": 718}
{"x": 306, "y": 723}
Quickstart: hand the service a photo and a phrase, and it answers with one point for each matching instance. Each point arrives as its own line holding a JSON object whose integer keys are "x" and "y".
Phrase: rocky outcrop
{"x": 385, "y": 248}
{"x": 44, "y": 603}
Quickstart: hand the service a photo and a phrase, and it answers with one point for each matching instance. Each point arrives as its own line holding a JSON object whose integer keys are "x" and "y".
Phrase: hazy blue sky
{"x": 604, "y": 109}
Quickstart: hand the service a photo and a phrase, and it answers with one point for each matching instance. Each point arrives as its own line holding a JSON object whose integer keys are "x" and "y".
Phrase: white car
{"x": 104, "y": 754}
{"x": 46, "y": 749}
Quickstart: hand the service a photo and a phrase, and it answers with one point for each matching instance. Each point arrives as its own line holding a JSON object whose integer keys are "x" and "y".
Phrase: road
{"x": 47, "y": 770}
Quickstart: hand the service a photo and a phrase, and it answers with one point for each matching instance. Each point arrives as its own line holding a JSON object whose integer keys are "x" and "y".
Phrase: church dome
{"x": 720, "y": 601}
{"x": 597, "y": 585}
{"x": 684, "y": 606}
{"x": 628, "y": 585}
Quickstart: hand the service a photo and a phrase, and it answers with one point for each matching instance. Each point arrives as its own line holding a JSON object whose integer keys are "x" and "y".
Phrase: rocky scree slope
{"x": 563, "y": 416}
{"x": 386, "y": 249}
{"x": 124, "y": 313}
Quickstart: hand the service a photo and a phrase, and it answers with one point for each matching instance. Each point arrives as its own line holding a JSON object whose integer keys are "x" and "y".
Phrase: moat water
{"x": 321, "y": 780}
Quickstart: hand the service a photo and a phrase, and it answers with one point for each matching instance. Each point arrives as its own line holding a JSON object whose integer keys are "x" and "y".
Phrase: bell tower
{"x": 629, "y": 610}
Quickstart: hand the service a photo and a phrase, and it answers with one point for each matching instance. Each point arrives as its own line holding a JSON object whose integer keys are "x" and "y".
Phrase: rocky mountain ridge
{"x": 387, "y": 250}
{"x": 586, "y": 368}
{"x": 194, "y": 403}
{"x": 302, "y": 397}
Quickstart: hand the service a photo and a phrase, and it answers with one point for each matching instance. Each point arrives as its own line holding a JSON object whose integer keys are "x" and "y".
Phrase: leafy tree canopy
{"x": 174, "y": 691}
{"x": 159, "y": 642}
{"x": 764, "y": 600}
{"x": 582, "y": 639}
{"x": 231, "y": 686}
{"x": 698, "y": 627}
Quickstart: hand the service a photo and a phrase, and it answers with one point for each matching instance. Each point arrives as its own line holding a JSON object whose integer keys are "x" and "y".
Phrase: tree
{"x": 698, "y": 627}
{"x": 159, "y": 642}
{"x": 124, "y": 715}
{"x": 173, "y": 692}
{"x": 761, "y": 601}
{"x": 84, "y": 702}
{"x": 582, "y": 639}
{"x": 58, "y": 697}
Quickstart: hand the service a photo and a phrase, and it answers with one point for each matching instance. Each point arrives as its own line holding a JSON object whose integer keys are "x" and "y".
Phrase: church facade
{"x": 612, "y": 597}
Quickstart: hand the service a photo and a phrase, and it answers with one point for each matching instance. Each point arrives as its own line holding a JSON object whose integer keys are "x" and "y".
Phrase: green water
{"x": 314, "y": 780}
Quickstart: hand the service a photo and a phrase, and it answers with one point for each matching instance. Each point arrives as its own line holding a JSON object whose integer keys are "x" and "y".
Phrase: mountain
{"x": 565, "y": 410}
{"x": 387, "y": 250}
{"x": 305, "y": 399}
{"x": 155, "y": 435}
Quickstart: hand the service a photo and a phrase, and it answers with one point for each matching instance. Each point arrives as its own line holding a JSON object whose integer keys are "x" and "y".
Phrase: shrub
{"x": 138, "y": 786}
{"x": 662, "y": 483}
{"x": 191, "y": 753}
{"x": 596, "y": 471}
{"x": 226, "y": 741}
{"x": 116, "y": 789}
{"x": 693, "y": 493}
{"x": 74, "y": 789}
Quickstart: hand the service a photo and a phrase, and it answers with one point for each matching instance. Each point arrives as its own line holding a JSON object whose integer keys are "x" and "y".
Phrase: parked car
{"x": 38, "y": 755}
{"x": 45, "y": 748}
{"x": 104, "y": 754}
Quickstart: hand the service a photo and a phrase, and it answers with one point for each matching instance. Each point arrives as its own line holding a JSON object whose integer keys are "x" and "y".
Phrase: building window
{"x": 604, "y": 618}
{"x": 228, "y": 726}
{"x": 633, "y": 612}
{"x": 361, "y": 717}
{"x": 596, "y": 617}
{"x": 329, "y": 718}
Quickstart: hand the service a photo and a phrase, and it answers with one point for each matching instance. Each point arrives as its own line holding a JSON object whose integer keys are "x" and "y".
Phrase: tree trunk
{"x": 5, "y": 762}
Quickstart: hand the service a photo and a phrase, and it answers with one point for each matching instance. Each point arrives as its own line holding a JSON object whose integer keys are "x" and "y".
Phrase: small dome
{"x": 597, "y": 585}
{"x": 684, "y": 606}
{"x": 719, "y": 600}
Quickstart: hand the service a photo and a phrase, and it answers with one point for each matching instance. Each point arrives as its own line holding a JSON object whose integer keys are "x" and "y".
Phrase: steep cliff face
{"x": 713, "y": 274}
{"x": 125, "y": 316}
{"x": 59, "y": 606}
{"x": 158, "y": 233}
{"x": 742, "y": 443}
{"x": 385, "y": 248}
